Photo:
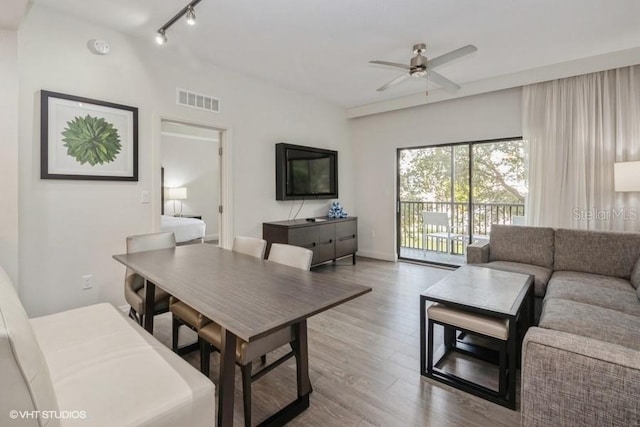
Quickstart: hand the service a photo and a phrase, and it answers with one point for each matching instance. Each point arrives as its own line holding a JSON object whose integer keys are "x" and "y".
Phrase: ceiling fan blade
{"x": 448, "y": 57}
{"x": 442, "y": 81}
{"x": 394, "y": 82}
{"x": 390, "y": 64}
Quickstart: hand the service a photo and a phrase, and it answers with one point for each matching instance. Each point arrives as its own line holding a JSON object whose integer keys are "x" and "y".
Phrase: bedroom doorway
{"x": 191, "y": 181}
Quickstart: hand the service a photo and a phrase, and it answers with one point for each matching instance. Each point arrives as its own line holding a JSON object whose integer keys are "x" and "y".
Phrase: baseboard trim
{"x": 384, "y": 256}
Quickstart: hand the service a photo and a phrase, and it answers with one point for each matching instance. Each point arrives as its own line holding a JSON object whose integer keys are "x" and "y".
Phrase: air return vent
{"x": 197, "y": 100}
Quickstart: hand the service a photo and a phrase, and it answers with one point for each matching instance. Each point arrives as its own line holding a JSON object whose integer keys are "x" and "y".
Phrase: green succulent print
{"x": 91, "y": 140}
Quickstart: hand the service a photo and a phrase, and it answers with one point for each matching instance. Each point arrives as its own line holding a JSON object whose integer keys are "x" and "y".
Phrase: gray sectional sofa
{"x": 581, "y": 365}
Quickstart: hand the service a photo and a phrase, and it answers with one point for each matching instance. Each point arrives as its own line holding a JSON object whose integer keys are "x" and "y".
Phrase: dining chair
{"x": 134, "y": 292}
{"x": 439, "y": 221}
{"x": 249, "y": 246}
{"x": 517, "y": 220}
{"x": 247, "y": 352}
{"x": 183, "y": 314}
{"x": 291, "y": 255}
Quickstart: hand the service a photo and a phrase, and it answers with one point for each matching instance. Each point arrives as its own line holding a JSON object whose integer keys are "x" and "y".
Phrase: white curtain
{"x": 577, "y": 129}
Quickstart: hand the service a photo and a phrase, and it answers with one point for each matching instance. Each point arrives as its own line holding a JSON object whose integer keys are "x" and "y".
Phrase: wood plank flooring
{"x": 364, "y": 360}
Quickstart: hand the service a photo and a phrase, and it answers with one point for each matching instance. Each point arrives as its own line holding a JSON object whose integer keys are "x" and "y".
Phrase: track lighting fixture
{"x": 189, "y": 14}
{"x": 160, "y": 37}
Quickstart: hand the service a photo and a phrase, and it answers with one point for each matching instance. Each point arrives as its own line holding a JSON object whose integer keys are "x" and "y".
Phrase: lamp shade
{"x": 178, "y": 193}
{"x": 627, "y": 176}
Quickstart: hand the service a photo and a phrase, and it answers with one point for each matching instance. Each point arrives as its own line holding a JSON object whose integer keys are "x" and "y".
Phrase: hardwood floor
{"x": 364, "y": 361}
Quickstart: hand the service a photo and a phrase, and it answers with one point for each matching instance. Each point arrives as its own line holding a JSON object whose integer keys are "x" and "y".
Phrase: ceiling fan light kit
{"x": 420, "y": 66}
{"x": 189, "y": 14}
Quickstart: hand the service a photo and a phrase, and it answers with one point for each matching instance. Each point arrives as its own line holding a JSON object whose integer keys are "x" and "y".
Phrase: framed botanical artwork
{"x": 83, "y": 138}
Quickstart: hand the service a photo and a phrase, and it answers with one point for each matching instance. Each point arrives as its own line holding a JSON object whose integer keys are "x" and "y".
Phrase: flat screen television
{"x": 305, "y": 172}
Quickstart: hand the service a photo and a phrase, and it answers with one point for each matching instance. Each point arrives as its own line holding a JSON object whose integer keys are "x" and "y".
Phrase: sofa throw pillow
{"x": 635, "y": 276}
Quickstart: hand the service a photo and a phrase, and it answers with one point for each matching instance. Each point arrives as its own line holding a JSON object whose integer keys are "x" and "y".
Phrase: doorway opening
{"x": 191, "y": 182}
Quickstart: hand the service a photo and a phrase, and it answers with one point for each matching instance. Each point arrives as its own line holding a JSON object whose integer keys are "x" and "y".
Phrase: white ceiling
{"x": 12, "y": 13}
{"x": 322, "y": 47}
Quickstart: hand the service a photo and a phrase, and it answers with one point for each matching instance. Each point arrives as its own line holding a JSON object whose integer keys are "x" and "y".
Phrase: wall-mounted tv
{"x": 305, "y": 172}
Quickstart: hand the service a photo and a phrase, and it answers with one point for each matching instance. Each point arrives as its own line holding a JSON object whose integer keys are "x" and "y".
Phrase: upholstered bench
{"x": 93, "y": 366}
{"x": 491, "y": 328}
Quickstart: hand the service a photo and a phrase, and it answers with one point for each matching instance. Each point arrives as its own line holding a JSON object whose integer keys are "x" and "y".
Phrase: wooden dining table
{"x": 249, "y": 298}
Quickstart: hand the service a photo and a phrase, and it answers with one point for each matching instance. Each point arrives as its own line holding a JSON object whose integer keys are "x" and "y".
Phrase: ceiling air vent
{"x": 197, "y": 100}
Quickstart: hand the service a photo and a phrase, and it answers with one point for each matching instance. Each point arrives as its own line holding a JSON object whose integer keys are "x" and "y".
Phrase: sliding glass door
{"x": 449, "y": 195}
{"x": 499, "y": 185}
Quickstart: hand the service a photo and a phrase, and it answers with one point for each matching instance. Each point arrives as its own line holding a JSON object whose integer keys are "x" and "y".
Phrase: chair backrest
{"x": 250, "y": 246}
{"x": 293, "y": 256}
{"x": 26, "y": 381}
{"x": 147, "y": 242}
{"x": 435, "y": 218}
{"x": 150, "y": 242}
{"x": 517, "y": 220}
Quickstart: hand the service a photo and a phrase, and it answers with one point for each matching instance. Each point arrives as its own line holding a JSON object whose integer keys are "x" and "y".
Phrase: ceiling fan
{"x": 420, "y": 66}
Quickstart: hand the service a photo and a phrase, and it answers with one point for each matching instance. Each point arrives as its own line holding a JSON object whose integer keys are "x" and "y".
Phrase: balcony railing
{"x": 483, "y": 215}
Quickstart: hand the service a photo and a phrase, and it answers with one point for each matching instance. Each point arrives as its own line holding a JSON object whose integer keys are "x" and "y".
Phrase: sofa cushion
{"x": 527, "y": 245}
{"x": 590, "y": 279}
{"x": 105, "y": 364}
{"x": 635, "y": 275}
{"x": 541, "y": 274}
{"x": 26, "y": 381}
{"x": 606, "y": 253}
{"x": 591, "y": 321}
{"x": 603, "y": 291}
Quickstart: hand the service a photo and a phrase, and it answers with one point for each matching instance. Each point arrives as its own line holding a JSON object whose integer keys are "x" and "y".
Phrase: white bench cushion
{"x": 25, "y": 383}
{"x": 486, "y": 325}
{"x": 106, "y": 365}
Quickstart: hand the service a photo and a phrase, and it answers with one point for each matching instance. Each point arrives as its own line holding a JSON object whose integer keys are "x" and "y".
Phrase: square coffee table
{"x": 479, "y": 301}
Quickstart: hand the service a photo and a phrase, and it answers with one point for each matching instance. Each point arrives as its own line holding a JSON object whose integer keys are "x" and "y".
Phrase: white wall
{"x": 193, "y": 163}
{"x": 376, "y": 138}
{"x": 72, "y": 228}
{"x": 9, "y": 153}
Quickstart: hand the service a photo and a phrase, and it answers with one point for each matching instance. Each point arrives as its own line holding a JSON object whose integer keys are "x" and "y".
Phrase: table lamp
{"x": 178, "y": 193}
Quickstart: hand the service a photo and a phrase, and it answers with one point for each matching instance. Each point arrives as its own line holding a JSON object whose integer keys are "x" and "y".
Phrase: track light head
{"x": 187, "y": 12}
{"x": 190, "y": 16}
{"x": 161, "y": 38}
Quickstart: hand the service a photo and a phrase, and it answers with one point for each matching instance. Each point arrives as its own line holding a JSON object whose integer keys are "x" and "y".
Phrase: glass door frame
{"x": 470, "y": 225}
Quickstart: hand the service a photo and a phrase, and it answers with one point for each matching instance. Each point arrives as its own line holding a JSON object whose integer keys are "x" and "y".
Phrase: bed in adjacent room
{"x": 185, "y": 229}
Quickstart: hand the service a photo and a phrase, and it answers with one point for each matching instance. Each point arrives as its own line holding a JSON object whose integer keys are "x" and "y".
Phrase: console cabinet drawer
{"x": 329, "y": 239}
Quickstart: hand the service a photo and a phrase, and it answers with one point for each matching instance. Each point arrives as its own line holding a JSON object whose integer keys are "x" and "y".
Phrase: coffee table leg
{"x": 423, "y": 314}
{"x": 226, "y": 382}
{"x": 512, "y": 356}
{"x": 430, "y": 350}
{"x": 532, "y": 306}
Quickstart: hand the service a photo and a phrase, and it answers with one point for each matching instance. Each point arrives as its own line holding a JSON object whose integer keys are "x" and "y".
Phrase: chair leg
{"x": 205, "y": 356}
{"x": 175, "y": 329}
{"x": 263, "y": 359}
{"x": 135, "y": 316}
{"x": 246, "y": 393}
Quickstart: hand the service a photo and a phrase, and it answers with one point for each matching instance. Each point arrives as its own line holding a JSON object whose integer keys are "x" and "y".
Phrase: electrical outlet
{"x": 87, "y": 281}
